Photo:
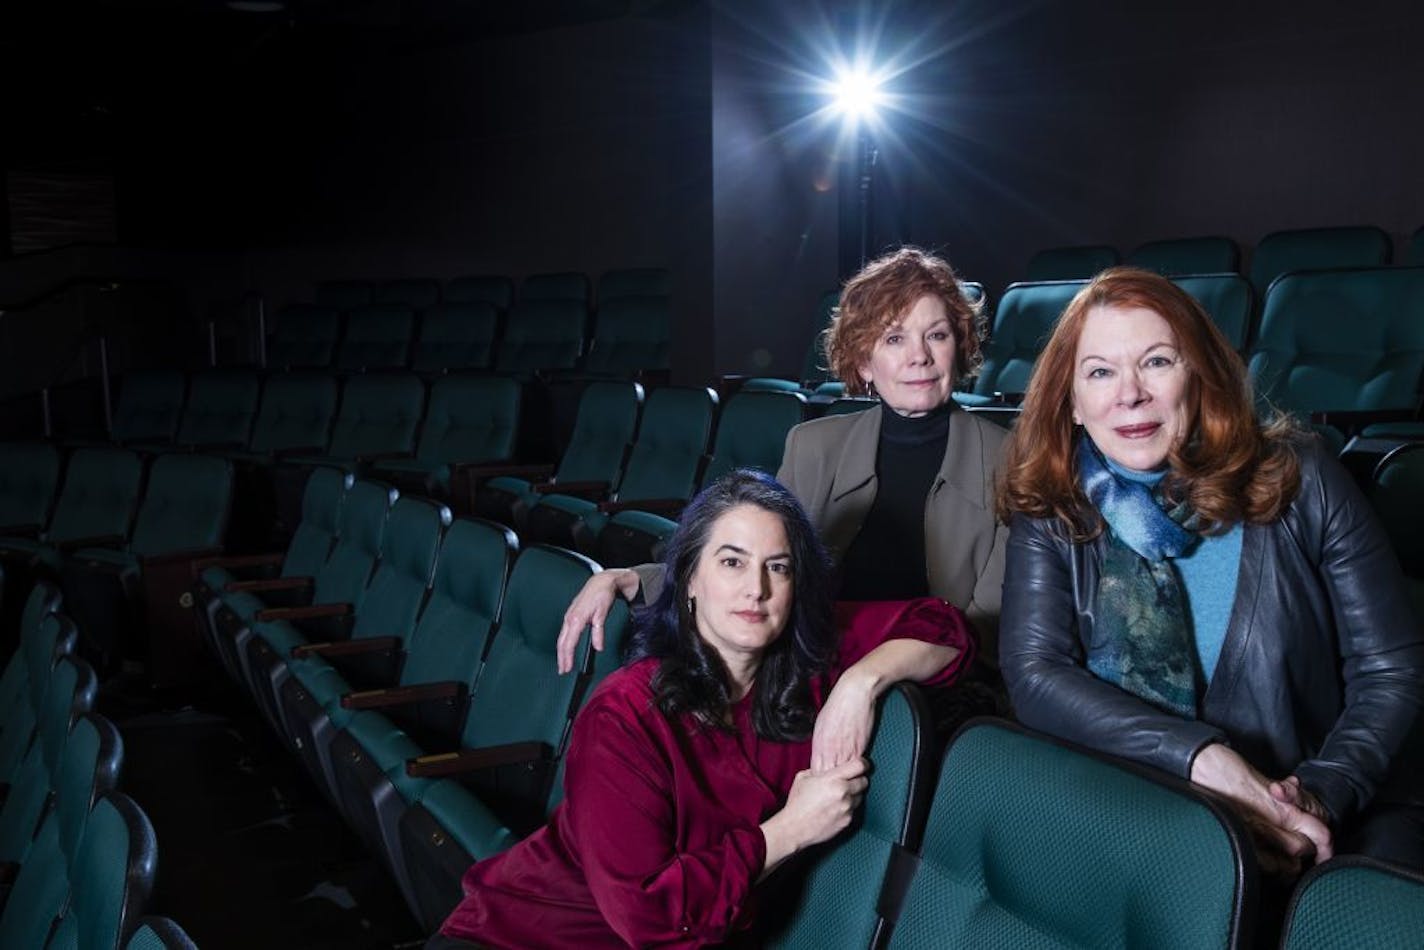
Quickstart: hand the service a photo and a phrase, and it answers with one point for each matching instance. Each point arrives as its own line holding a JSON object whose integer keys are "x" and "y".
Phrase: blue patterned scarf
{"x": 1141, "y": 638}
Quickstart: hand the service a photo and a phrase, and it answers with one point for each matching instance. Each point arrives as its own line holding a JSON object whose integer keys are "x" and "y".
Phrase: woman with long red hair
{"x": 1203, "y": 592}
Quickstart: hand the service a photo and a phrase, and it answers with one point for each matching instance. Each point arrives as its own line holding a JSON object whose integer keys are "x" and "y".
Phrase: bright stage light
{"x": 856, "y": 93}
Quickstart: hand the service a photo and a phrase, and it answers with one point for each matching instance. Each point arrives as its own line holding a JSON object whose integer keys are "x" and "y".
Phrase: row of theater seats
{"x": 407, "y": 659}
{"x": 476, "y": 324}
{"x": 441, "y": 744}
{"x": 1275, "y": 254}
{"x": 1013, "y": 839}
{"x": 78, "y": 857}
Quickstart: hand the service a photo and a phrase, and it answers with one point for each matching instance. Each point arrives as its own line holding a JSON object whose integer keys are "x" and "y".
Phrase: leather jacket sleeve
{"x": 1044, "y": 662}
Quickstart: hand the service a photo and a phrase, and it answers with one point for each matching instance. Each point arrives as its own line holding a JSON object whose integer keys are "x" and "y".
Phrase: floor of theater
{"x": 250, "y": 854}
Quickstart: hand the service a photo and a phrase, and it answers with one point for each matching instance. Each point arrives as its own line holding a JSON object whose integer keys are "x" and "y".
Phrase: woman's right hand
{"x": 590, "y": 608}
{"x": 818, "y": 808}
{"x": 1289, "y": 828}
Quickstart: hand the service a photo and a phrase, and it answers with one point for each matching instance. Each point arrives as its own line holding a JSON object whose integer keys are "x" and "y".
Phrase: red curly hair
{"x": 1229, "y": 467}
{"x": 881, "y": 294}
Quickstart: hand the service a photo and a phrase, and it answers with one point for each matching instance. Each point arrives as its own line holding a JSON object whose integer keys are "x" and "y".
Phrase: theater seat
{"x": 149, "y": 406}
{"x": 305, "y": 337}
{"x": 847, "y": 892}
{"x": 1031, "y": 842}
{"x": 455, "y": 336}
{"x": 1316, "y": 249}
{"x": 1356, "y": 903}
{"x": 1078, "y": 262}
{"x": 222, "y": 405}
{"x": 110, "y": 877}
{"x": 1180, "y": 256}
{"x": 159, "y": 933}
{"x": 1023, "y": 321}
{"x": 377, "y": 337}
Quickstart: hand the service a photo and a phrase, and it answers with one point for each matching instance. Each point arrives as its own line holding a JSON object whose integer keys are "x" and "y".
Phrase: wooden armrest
{"x": 400, "y": 695}
{"x": 269, "y": 583}
{"x": 240, "y": 561}
{"x": 312, "y": 612}
{"x": 173, "y": 557}
{"x": 346, "y": 647}
{"x": 98, "y": 541}
{"x": 572, "y": 488}
{"x": 671, "y": 507}
{"x": 470, "y": 760}
{"x": 21, "y": 531}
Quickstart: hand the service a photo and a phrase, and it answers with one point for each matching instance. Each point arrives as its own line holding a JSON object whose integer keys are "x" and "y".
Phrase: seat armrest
{"x": 470, "y": 760}
{"x": 498, "y": 469}
{"x": 98, "y": 541}
{"x": 346, "y": 647}
{"x": 311, "y": 612}
{"x": 572, "y": 488}
{"x": 668, "y": 507}
{"x": 269, "y": 584}
{"x": 400, "y": 695}
{"x": 21, "y": 530}
{"x": 239, "y": 562}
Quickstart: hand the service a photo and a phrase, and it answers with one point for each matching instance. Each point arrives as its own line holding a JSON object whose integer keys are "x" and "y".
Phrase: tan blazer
{"x": 830, "y": 466}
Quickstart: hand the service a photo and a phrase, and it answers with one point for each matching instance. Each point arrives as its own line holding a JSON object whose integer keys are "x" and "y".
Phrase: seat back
{"x": 222, "y": 405}
{"x": 1356, "y": 902}
{"x": 566, "y": 285}
{"x": 344, "y": 294}
{"x": 1023, "y": 322}
{"x": 542, "y": 334}
{"x": 296, "y": 412}
{"x": 185, "y": 505}
{"x": 1181, "y": 256}
{"x": 1314, "y": 249}
{"x": 520, "y": 696}
{"x": 603, "y": 429}
{"x": 159, "y": 933}
{"x": 403, "y": 573}
{"x": 751, "y": 432}
{"x": 848, "y": 891}
{"x": 70, "y": 694}
{"x": 29, "y": 478}
{"x": 1227, "y": 299}
{"x": 99, "y": 496}
{"x": 305, "y": 337}
{"x": 1070, "y": 263}
{"x": 316, "y": 532}
{"x": 1397, "y": 494}
{"x": 455, "y": 336}
{"x": 630, "y": 335}
{"x": 377, "y": 337}
{"x": 470, "y": 419}
{"x": 465, "y": 602}
{"x": 417, "y": 293}
{"x": 150, "y": 404}
{"x": 344, "y": 576}
{"x": 672, "y": 438}
{"x": 379, "y": 415}
{"x": 112, "y": 876}
{"x": 1031, "y": 842}
{"x": 1343, "y": 340}
{"x": 494, "y": 290}
{"x": 89, "y": 766}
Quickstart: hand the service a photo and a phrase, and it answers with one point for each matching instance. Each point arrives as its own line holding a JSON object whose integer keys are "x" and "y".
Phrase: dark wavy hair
{"x": 691, "y": 679}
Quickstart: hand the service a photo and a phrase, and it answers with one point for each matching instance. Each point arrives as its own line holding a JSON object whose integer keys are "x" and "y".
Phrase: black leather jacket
{"x": 1321, "y": 673}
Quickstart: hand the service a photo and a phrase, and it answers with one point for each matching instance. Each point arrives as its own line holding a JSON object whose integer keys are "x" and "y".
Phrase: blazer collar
{"x": 962, "y": 467}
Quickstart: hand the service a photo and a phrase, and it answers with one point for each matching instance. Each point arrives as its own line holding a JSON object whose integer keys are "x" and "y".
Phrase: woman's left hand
{"x": 844, "y": 723}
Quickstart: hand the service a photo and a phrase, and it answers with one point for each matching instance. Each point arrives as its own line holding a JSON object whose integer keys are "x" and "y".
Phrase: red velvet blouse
{"x": 658, "y": 841}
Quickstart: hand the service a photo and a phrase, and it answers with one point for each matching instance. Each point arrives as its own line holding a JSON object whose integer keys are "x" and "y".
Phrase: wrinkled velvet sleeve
{"x": 865, "y": 625}
{"x": 1381, "y": 648}
{"x": 1044, "y": 664}
{"x": 622, "y": 810}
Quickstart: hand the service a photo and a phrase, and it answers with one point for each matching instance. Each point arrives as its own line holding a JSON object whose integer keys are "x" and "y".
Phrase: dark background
{"x": 261, "y": 152}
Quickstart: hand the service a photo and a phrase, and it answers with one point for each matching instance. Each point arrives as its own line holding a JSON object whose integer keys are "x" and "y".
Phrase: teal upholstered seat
{"x": 470, "y": 419}
{"x": 29, "y": 480}
{"x": 1180, "y": 256}
{"x": 1022, "y": 323}
{"x": 149, "y": 406}
{"x": 222, "y": 405}
{"x": 631, "y": 335}
{"x": 542, "y": 335}
{"x": 1031, "y": 843}
{"x": 97, "y": 500}
{"x": 850, "y": 888}
{"x": 455, "y": 336}
{"x": 159, "y": 933}
{"x": 1077, "y": 262}
{"x": 295, "y": 414}
{"x": 1227, "y": 299}
{"x": 377, "y": 337}
{"x": 1355, "y": 903}
{"x": 1316, "y": 249}
{"x": 305, "y": 337}
{"x": 110, "y": 877}
{"x": 379, "y": 415}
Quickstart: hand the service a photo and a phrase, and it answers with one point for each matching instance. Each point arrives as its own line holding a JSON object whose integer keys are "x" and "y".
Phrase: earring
{"x": 691, "y": 606}
{"x": 870, "y": 389}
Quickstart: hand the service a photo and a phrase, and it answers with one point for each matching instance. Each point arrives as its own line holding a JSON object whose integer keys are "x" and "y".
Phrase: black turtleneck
{"x": 886, "y": 561}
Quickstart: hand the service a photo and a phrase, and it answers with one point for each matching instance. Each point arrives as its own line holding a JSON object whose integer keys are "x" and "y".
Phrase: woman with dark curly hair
{"x": 901, "y": 493}
{"x": 1204, "y": 593}
{"x": 688, "y": 777}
